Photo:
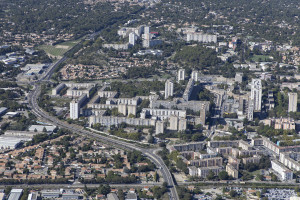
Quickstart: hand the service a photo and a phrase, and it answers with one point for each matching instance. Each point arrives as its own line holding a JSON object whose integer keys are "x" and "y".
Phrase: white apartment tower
{"x": 146, "y": 30}
{"x": 181, "y": 74}
{"x": 169, "y": 88}
{"x": 256, "y": 94}
{"x": 74, "y": 109}
{"x": 132, "y": 38}
{"x": 75, "y": 106}
{"x": 293, "y": 97}
{"x": 250, "y": 110}
{"x": 195, "y": 75}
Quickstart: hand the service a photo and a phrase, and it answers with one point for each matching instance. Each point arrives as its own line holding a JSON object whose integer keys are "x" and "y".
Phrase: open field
{"x": 60, "y": 49}
{"x": 261, "y": 58}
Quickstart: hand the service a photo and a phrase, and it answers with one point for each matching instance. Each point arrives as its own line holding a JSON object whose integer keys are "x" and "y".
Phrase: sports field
{"x": 59, "y": 49}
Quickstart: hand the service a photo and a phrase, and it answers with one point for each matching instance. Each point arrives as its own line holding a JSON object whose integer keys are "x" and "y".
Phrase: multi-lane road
{"x": 40, "y": 113}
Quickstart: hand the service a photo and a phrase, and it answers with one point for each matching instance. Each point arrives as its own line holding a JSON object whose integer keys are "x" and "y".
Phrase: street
{"x": 37, "y": 111}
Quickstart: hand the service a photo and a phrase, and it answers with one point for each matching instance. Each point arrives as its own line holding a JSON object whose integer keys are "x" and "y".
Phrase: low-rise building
{"x": 15, "y": 194}
{"x": 50, "y": 194}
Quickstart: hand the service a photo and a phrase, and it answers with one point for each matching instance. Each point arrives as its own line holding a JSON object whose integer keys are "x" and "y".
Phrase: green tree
{"x": 233, "y": 193}
{"x": 156, "y": 177}
{"x": 223, "y": 175}
{"x": 44, "y": 130}
{"x": 121, "y": 194}
{"x": 210, "y": 175}
{"x": 7, "y": 190}
{"x": 25, "y": 194}
{"x": 104, "y": 189}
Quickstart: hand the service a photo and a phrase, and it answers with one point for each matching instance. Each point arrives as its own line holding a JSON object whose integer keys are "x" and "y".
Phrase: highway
{"x": 40, "y": 113}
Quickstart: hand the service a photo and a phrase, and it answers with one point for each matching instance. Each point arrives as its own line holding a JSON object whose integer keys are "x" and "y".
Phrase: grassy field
{"x": 60, "y": 49}
{"x": 262, "y": 58}
{"x": 60, "y": 102}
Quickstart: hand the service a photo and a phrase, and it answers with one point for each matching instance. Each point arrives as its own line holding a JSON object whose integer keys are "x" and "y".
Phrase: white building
{"x": 173, "y": 120}
{"x": 182, "y": 124}
{"x": 33, "y": 196}
{"x": 195, "y": 75}
{"x": 146, "y": 30}
{"x": 295, "y": 198}
{"x": 131, "y": 109}
{"x": 250, "y": 110}
{"x": 79, "y": 91}
{"x": 169, "y": 89}
{"x": 238, "y": 77}
{"x": 162, "y": 113}
{"x": 150, "y": 43}
{"x": 75, "y": 106}
{"x": 11, "y": 142}
{"x": 193, "y": 171}
{"x": 74, "y": 109}
{"x": 117, "y": 46}
{"x": 188, "y": 90}
{"x": 204, "y": 171}
{"x": 181, "y": 75}
{"x": 293, "y": 97}
{"x": 256, "y": 94}
{"x": 159, "y": 127}
{"x": 15, "y": 194}
{"x": 284, "y": 172}
{"x": 132, "y": 38}
{"x": 58, "y": 88}
{"x": 200, "y": 37}
{"x": 3, "y": 110}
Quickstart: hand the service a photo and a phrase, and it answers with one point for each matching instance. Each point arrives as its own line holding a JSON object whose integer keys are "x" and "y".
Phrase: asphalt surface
{"x": 40, "y": 113}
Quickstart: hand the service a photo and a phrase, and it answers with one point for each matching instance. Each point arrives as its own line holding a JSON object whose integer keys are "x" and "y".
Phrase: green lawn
{"x": 60, "y": 49}
{"x": 261, "y": 58}
{"x": 61, "y": 102}
{"x": 52, "y": 50}
{"x": 254, "y": 173}
{"x": 70, "y": 43}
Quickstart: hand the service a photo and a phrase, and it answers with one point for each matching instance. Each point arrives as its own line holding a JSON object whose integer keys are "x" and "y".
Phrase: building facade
{"x": 169, "y": 89}
{"x": 293, "y": 97}
{"x": 256, "y": 94}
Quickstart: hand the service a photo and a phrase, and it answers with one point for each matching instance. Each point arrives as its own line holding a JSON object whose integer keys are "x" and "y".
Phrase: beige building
{"x": 204, "y": 171}
{"x": 182, "y": 124}
{"x": 132, "y": 110}
{"x": 173, "y": 123}
{"x": 254, "y": 159}
{"x": 208, "y": 162}
{"x": 281, "y": 123}
{"x": 232, "y": 171}
{"x": 122, "y": 108}
{"x": 169, "y": 89}
{"x": 159, "y": 127}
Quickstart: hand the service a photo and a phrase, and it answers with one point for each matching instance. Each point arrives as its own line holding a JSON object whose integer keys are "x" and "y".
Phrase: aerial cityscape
{"x": 149, "y": 99}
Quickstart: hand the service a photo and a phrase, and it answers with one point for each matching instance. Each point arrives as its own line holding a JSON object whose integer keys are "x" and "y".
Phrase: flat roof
{"x": 15, "y": 194}
{"x": 12, "y": 141}
{"x": 3, "y": 109}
